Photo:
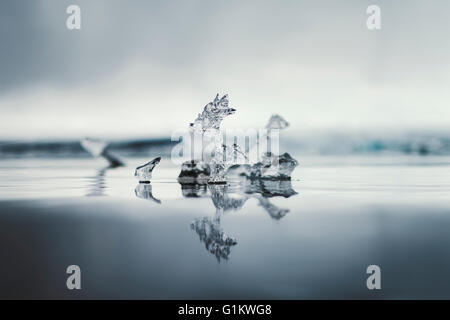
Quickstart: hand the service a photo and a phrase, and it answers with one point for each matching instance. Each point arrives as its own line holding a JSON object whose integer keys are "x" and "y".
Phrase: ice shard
{"x": 274, "y": 167}
{"x": 99, "y": 148}
{"x": 144, "y": 172}
{"x": 271, "y": 167}
{"x": 208, "y": 123}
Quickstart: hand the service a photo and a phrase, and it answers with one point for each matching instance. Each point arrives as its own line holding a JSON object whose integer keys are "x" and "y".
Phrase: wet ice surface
{"x": 312, "y": 237}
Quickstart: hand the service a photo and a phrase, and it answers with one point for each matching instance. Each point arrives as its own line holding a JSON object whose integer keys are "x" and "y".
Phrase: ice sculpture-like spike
{"x": 144, "y": 172}
{"x": 213, "y": 113}
{"x": 209, "y": 123}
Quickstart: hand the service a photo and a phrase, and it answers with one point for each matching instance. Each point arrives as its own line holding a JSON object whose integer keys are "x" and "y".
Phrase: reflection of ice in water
{"x": 193, "y": 190}
{"x": 207, "y": 125}
{"x": 144, "y": 191}
{"x": 212, "y": 235}
{"x": 98, "y": 185}
{"x": 264, "y": 189}
{"x": 269, "y": 188}
{"x": 99, "y": 148}
{"x": 274, "y": 211}
{"x": 232, "y": 198}
{"x": 224, "y": 200}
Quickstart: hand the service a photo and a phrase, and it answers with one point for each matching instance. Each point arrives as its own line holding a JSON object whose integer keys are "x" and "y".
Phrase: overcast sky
{"x": 145, "y": 68}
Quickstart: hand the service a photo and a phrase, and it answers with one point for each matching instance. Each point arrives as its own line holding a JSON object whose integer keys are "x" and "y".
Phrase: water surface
{"x": 311, "y": 238}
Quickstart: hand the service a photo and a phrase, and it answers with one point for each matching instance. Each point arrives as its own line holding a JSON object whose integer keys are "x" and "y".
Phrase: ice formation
{"x": 194, "y": 172}
{"x": 99, "y": 148}
{"x": 144, "y": 172}
{"x": 274, "y": 167}
{"x": 213, "y": 113}
{"x": 208, "y": 123}
{"x": 232, "y": 197}
{"x": 230, "y": 159}
{"x": 271, "y": 167}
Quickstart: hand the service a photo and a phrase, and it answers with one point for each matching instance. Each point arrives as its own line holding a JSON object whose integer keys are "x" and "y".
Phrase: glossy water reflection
{"x": 232, "y": 197}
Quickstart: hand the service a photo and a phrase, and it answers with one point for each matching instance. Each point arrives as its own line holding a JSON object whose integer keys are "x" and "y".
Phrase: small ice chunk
{"x": 274, "y": 167}
{"x": 212, "y": 235}
{"x": 144, "y": 172}
{"x": 277, "y": 122}
{"x": 194, "y": 171}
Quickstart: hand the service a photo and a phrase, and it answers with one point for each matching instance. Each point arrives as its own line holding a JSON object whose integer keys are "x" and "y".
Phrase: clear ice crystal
{"x": 271, "y": 167}
{"x": 209, "y": 123}
{"x": 213, "y": 113}
{"x": 277, "y": 122}
{"x": 144, "y": 172}
{"x": 274, "y": 167}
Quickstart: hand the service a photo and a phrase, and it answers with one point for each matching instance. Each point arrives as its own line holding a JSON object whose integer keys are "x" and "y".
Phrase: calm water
{"x": 311, "y": 238}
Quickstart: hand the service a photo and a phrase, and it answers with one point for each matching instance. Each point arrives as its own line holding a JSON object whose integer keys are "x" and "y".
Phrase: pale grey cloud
{"x": 313, "y": 61}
